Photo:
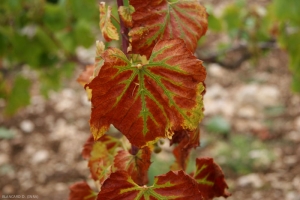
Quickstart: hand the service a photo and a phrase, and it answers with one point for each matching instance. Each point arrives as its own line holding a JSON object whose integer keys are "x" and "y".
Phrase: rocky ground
{"x": 259, "y": 152}
{"x": 43, "y": 156}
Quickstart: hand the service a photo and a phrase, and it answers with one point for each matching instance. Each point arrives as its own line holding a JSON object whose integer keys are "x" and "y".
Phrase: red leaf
{"x": 86, "y": 76}
{"x": 148, "y": 101}
{"x": 136, "y": 165}
{"x": 101, "y": 156}
{"x": 173, "y": 185}
{"x": 210, "y": 179}
{"x": 87, "y": 148}
{"x": 187, "y": 140}
{"x": 110, "y": 142}
{"x": 100, "y": 162}
{"x": 154, "y": 20}
{"x": 80, "y": 191}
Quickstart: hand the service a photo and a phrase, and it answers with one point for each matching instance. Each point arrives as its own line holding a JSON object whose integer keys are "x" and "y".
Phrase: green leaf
{"x": 214, "y": 23}
{"x": 19, "y": 96}
{"x": 232, "y": 17}
{"x": 83, "y": 34}
{"x": 296, "y": 84}
{"x": 287, "y": 10}
{"x": 55, "y": 17}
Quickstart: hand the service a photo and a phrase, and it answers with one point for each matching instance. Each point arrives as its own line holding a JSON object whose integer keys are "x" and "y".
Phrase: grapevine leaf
{"x": 125, "y": 13}
{"x": 190, "y": 139}
{"x": 110, "y": 142}
{"x": 81, "y": 190}
{"x": 92, "y": 70}
{"x": 135, "y": 165}
{"x": 100, "y": 162}
{"x": 101, "y": 157}
{"x": 210, "y": 179}
{"x": 86, "y": 76}
{"x": 173, "y": 185}
{"x": 164, "y": 19}
{"x": 98, "y": 60}
{"x": 109, "y": 31}
{"x": 187, "y": 140}
{"x": 148, "y": 101}
{"x": 19, "y": 96}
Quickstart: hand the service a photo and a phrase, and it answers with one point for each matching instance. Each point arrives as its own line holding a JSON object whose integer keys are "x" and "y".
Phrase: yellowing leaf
{"x": 148, "y": 101}
{"x": 98, "y": 59}
{"x": 109, "y": 31}
{"x": 173, "y": 185}
{"x": 86, "y": 76}
{"x": 154, "y": 20}
{"x": 135, "y": 165}
{"x": 110, "y": 143}
{"x": 100, "y": 154}
{"x": 125, "y": 13}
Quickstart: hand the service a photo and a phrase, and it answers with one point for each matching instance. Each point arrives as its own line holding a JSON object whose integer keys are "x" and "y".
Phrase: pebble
{"x": 40, "y": 156}
{"x": 4, "y": 158}
{"x": 27, "y": 126}
{"x": 297, "y": 124}
{"x": 215, "y": 70}
{"x": 247, "y": 111}
{"x": 250, "y": 179}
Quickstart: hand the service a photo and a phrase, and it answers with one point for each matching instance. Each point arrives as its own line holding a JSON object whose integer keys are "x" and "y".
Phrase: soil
{"x": 44, "y": 157}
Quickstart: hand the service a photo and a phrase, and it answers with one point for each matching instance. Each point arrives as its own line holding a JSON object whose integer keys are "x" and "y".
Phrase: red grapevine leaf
{"x": 148, "y": 101}
{"x": 86, "y": 76}
{"x": 98, "y": 59}
{"x": 110, "y": 142}
{"x": 191, "y": 139}
{"x": 109, "y": 31}
{"x": 187, "y": 140}
{"x": 81, "y": 190}
{"x": 100, "y": 162}
{"x": 136, "y": 165}
{"x": 173, "y": 185}
{"x": 101, "y": 154}
{"x": 181, "y": 154}
{"x": 162, "y": 19}
{"x": 210, "y": 179}
{"x": 125, "y": 13}
{"x": 87, "y": 148}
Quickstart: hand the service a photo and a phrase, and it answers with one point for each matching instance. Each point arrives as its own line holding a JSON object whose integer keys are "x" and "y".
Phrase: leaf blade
{"x": 109, "y": 31}
{"x": 173, "y": 185}
{"x": 150, "y": 101}
{"x": 160, "y": 19}
{"x": 210, "y": 179}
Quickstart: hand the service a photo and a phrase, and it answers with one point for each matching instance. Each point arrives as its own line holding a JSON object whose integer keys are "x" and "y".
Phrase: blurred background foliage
{"x": 257, "y": 29}
{"x": 39, "y": 39}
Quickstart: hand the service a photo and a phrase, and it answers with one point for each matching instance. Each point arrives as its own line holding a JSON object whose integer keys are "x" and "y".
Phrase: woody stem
{"x": 124, "y": 31}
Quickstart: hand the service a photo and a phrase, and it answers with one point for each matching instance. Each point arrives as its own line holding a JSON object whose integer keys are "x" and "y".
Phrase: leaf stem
{"x": 134, "y": 150}
{"x": 124, "y": 31}
{"x": 115, "y": 19}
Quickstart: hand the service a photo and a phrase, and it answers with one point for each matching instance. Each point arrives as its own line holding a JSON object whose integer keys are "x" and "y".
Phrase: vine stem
{"x": 125, "y": 44}
{"x": 124, "y": 31}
